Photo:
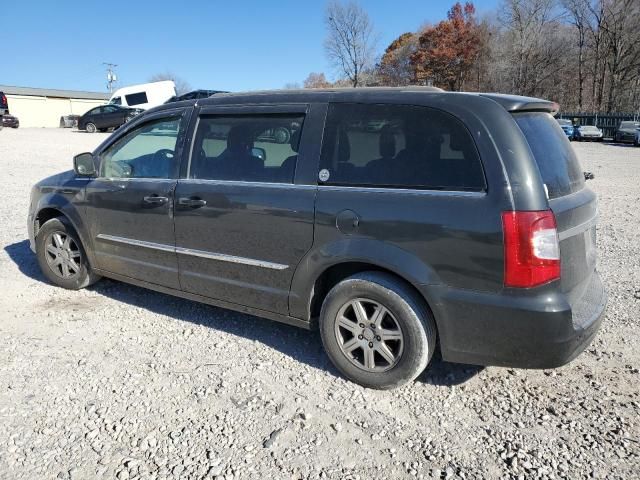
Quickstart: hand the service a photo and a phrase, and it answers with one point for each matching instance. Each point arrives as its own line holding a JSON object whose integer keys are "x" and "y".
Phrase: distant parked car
{"x": 105, "y": 117}
{"x": 10, "y": 121}
{"x": 4, "y": 104}
{"x": 636, "y": 142}
{"x": 589, "y": 133}
{"x": 69, "y": 121}
{"x": 627, "y": 131}
{"x": 567, "y": 127}
{"x": 194, "y": 95}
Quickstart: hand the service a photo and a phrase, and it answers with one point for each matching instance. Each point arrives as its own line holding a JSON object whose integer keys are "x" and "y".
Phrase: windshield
{"x": 589, "y": 128}
{"x": 564, "y": 122}
{"x": 557, "y": 162}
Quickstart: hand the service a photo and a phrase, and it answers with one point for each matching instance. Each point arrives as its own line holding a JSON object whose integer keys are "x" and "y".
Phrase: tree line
{"x": 583, "y": 54}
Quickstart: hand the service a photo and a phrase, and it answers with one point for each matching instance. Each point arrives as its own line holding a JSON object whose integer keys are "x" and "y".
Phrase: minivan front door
{"x": 130, "y": 204}
{"x": 244, "y": 214}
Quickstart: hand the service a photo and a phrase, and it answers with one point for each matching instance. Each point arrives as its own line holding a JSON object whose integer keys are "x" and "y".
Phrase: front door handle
{"x": 193, "y": 202}
{"x": 155, "y": 200}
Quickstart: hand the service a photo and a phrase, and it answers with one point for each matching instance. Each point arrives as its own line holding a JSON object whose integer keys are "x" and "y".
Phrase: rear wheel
{"x": 377, "y": 331}
{"x": 61, "y": 256}
{"x": 90, "y": 128}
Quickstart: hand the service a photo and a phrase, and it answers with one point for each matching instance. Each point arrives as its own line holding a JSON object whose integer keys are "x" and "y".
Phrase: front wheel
{"x": 61, "y": 256}
{"x": 376, "y": 330}
{"x": 90, "y": 128}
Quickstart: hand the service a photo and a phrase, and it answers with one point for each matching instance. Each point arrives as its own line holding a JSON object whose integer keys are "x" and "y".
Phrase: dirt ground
{"x": 118, "y": 382}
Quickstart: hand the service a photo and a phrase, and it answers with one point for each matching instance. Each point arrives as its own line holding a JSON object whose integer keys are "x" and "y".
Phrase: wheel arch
{"x": 320, "y": 271}
{"x": 54, "y": 209}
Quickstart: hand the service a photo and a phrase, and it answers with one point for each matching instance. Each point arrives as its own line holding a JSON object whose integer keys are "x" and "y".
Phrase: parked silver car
{"x": 588, "y": 133}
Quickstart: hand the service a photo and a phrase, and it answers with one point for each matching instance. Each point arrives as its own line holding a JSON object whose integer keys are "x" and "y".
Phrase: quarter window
{"x": 261, "y": 148}
{"x": 399, "y": 146}
{"x": 145, "y": 152}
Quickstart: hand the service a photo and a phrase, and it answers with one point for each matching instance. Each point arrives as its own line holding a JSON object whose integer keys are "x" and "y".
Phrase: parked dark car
{"x": 194, "y": 95}
{"x": 10, "y": 121}
{"x": 463, "y": 223}
{"x": 4, "y": 104}
{"x": 567, "y": 127}
{"x": 627, "y": 132}
{"x": 105, "y": 117}
{"x": 588, "y": 133}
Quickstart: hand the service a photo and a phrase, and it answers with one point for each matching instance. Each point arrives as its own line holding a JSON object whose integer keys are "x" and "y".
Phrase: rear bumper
{"x": 534, "y": 330}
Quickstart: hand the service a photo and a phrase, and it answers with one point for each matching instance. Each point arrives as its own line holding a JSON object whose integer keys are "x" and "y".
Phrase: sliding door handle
{"x": 192, "y": 202}
{"x": 155, "y": 200}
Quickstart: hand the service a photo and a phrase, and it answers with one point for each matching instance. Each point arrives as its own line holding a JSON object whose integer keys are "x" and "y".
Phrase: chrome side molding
{"x": 192, "y": 252}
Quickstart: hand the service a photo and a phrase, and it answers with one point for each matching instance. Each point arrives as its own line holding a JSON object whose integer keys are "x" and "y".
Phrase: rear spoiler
{"x": 517, "y": 103}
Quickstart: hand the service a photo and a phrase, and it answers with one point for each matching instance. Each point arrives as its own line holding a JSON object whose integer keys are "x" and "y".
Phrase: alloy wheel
{"x": 369, "y": 335}
{"x": 63, "y": 255}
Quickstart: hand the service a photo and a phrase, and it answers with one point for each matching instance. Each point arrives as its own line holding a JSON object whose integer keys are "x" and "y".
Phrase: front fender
{"x": 362, "y": 250}
{"x": 68, "y": 200}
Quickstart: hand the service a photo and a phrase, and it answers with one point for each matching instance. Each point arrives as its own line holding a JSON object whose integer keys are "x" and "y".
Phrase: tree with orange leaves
{"x": 447, "y": 51}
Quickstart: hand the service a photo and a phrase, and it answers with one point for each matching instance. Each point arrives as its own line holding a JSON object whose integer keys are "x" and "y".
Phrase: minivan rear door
{"x": 573, "y": 204}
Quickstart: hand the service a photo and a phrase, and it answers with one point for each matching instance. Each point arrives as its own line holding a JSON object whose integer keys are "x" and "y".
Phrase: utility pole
{"x": 111, "y": 76}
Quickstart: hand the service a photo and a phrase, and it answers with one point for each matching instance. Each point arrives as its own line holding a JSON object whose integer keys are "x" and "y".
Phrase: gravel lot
{"x": 119, "y": 382}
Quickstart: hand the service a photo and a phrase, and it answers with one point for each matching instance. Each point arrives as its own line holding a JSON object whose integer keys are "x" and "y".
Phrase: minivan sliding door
{"x": 244, "y": 215}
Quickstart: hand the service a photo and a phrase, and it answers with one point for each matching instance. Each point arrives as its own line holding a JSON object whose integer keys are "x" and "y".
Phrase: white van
{"x": 145, "y": 95}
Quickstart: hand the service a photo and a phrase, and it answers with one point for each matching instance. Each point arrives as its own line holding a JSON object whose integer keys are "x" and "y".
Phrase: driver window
{"x": 145, "y": 152}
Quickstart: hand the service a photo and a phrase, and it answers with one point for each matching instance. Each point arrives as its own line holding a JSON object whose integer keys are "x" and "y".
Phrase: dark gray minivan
{"x": 398, "y": 221}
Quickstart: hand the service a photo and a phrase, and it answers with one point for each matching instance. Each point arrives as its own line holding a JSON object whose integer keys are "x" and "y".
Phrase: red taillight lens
{"x": 531, "y": 248}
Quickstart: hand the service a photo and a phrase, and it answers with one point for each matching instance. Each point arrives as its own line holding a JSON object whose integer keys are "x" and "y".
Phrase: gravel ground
{"x": 119, "y": 382}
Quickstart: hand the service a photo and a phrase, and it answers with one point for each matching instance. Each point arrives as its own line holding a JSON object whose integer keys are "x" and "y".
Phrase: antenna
{"x": 111, "y": 76}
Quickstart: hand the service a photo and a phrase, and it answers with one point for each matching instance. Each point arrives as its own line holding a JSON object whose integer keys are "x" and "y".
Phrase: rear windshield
{"x": 557, "y": 162}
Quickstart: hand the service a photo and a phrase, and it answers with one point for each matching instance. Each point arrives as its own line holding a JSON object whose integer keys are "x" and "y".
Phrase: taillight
{"x": 531, "y": 248}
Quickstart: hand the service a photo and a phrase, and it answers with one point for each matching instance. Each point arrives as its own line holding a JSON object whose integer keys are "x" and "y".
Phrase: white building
{"x": 43, "y": 107}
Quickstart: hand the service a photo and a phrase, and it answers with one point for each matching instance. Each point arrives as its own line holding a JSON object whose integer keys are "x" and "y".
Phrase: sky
{"x": 231, "y": 45}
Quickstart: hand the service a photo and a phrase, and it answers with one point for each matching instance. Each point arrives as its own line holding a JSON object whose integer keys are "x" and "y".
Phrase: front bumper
{"x": 31, "y": 225}
{"x": 534, "y": 330}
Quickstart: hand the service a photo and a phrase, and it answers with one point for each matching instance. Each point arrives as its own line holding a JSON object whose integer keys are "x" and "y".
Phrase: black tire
{"x": 407, "y": 310}
{"x": 90, "y": 127}
{"x": 83, "y": 277}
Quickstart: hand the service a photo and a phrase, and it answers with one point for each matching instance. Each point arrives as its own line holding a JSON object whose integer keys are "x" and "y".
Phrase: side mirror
{"x": 83, "y": 165}
{"x": 261, "y": 153}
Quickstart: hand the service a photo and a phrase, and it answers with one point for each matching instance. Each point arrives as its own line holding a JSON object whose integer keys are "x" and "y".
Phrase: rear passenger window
{"x": 399, "y": 146}
{"x": 246, "y": 148}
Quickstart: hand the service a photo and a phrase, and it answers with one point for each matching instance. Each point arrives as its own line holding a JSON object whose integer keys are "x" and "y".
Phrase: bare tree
{"x": 182, "y": 86}
{"x": 531, "y": 27}
{"x": 351, "y": 40}
{"x": 620, "y": 27}
{"x": 578, "y": 11}
{"x": 316, "y": 80}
